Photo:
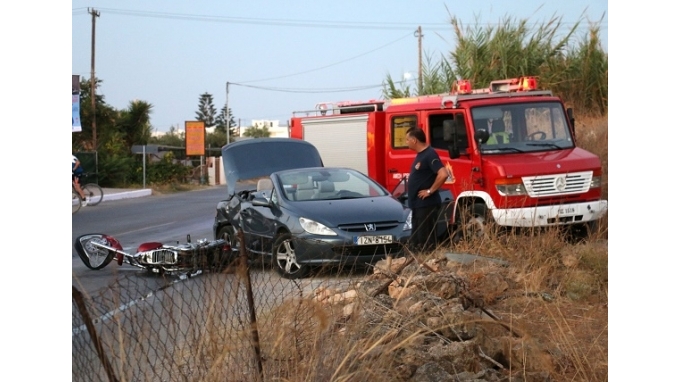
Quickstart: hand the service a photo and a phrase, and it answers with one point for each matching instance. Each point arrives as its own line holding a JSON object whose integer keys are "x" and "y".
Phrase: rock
{"x": 431, "y": 372}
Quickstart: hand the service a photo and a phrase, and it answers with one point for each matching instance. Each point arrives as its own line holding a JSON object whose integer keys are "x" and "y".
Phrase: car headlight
{"x": 316, "y": 228}
{"x": 510, "y": 187}
{"x": 407, "y": 224}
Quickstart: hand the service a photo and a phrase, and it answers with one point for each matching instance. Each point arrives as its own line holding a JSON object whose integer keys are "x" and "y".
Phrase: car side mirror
{"x": 260, "y": 201}
{"x": 481, "y": 136}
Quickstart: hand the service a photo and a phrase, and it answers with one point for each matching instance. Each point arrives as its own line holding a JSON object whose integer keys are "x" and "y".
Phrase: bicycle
{"x": 93, "y": 193}
{"x": 76, "y": 203}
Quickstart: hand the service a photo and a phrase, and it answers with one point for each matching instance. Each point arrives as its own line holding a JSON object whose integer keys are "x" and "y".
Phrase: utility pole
{"x": 226, "y": 110}
{"x": 94, "y": 14}
{"x": 419, "y": 34}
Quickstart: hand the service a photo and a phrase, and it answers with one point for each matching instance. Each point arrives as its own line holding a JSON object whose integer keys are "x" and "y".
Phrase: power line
{"x": 330, "y": 65}
{"x": 317, "y": 90}
{"x": 333, "y": 24}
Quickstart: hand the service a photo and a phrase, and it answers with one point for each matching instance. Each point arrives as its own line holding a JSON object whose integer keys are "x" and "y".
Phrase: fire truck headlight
{"x": 316, "y": 228}
{"x": 407, "y": 224}
{"x": 511, "y": 188}
{"x": 596, "y": 182}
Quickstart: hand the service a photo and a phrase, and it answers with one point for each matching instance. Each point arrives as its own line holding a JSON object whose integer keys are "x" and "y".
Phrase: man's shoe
{"x": 84, "y": 203}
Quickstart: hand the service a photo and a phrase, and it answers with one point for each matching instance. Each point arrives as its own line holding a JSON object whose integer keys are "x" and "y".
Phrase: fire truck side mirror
{"x": 449, "y": 130}
{"x": 572, "y": 121}
{"x": 451, "y": 138}
{"x": 481, "y": 136}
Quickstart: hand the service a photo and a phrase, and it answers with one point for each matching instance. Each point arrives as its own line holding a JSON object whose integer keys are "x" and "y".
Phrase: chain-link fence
{"x": 244, "y": 323}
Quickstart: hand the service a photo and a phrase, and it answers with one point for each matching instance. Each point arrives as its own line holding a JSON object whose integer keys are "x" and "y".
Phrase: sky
{"x": 278, "y": 57}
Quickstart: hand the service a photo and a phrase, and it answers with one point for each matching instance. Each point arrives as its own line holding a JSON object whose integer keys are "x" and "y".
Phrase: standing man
{"x": 426, "y": 176}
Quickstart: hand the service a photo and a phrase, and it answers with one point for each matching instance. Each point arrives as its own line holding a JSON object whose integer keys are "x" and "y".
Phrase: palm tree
{"x": 134, "y": 123}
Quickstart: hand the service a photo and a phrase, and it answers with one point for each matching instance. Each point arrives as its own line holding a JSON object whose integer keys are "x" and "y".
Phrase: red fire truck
{"x": 510, "y": 147}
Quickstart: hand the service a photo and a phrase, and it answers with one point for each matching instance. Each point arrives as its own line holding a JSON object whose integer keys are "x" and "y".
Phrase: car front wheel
{"x": 284, "y": 259}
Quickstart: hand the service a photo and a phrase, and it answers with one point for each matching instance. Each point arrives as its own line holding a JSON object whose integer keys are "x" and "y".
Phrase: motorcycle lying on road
{"x": 97, "y": 250}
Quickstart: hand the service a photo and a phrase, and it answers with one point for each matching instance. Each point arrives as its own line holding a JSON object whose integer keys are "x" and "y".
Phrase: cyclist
{"x": 76, "y": 172}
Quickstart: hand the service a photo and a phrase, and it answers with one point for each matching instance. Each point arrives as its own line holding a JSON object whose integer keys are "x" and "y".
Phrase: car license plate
{"x": 372, "y": 240}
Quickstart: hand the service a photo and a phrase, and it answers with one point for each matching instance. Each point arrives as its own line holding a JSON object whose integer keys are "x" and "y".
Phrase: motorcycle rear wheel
{"x": 93, "y": 257}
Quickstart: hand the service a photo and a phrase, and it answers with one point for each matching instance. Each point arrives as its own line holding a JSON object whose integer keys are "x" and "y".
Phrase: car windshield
{"x": 523, "y": 127}
{"x": 327, "y": 184}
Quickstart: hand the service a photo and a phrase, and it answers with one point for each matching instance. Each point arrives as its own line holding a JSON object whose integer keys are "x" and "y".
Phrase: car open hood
{"x": 250, "y": 159}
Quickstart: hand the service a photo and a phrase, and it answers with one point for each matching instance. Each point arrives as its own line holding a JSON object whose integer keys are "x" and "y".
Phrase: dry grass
{"x": 557, "y": 296}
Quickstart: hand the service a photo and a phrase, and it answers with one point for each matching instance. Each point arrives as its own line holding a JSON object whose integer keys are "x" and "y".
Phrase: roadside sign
{"x": 194, "y": 132}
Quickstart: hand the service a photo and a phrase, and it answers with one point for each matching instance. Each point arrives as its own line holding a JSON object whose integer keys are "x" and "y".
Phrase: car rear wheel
{"x": 284, "y": 259}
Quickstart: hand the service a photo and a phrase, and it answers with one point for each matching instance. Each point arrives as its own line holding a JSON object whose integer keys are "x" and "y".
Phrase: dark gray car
{"x": 306, "y": 215}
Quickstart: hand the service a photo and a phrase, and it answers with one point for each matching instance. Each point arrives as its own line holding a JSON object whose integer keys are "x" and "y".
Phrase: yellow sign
{"x": 194, "y": 133}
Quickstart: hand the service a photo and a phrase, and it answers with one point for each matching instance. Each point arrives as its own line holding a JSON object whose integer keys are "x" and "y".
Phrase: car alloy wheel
{"x": 285, "y": 261}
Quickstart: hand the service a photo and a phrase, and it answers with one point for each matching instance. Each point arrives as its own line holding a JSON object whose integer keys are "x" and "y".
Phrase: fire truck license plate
{"x": 567, "y": 210}
{"x": 372, "y": 240}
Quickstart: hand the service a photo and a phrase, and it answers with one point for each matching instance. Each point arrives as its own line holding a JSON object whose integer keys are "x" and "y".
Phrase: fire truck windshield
{"x": 523, "y": 127}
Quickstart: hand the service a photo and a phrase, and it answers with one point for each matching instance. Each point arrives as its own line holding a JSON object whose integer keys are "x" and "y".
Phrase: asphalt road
{"x": 163, "y": 218}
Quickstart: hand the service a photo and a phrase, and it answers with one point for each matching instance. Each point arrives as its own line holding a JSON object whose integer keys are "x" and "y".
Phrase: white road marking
{"x": 107, "y": 316}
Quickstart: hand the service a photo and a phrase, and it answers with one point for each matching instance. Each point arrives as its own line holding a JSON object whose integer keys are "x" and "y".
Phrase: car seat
{"x": 326, "y": 189}
{"x": 264, "y": 188}
{"x": 498, "y": 134}
{"x": 305, "y": 191}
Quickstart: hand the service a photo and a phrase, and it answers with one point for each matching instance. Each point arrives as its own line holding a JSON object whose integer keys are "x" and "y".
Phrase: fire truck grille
{"x": 558, "y": 184}
{"x": 368, "y": 227}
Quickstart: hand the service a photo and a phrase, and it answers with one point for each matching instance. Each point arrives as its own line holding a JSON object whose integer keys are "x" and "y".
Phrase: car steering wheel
{"x": 348, "y": 194}
{"x": 541, "y": 135}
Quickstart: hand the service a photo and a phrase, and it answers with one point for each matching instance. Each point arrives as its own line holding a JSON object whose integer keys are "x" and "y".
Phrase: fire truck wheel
{"x": 474, "y": 223}
{"x": 582, "y": 232}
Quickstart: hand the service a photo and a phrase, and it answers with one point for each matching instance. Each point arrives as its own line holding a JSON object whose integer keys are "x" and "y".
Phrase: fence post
{"x": 245, "y": 271}
{"x": 82, "y": 309}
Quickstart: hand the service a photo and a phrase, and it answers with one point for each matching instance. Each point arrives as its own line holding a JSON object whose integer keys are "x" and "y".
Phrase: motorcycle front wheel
{"x": 92, "y": 256}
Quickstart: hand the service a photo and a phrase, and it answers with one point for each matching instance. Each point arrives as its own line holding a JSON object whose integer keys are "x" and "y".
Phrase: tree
{"x": 134, "y": 123}
{"x": 221, "y": 122}
{"x": 257, "y": 132}
{"x": 105, "y": 119}
{"x": 174, "y": 137}
{"x": 206, "y": 110}
{"x": 515, "y": 48}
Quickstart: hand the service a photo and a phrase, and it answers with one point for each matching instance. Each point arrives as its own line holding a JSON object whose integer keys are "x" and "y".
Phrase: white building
{"x": 273, "y": 126}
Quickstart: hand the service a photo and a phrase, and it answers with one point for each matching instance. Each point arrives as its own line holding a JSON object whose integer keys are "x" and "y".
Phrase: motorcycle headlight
{"x": 316, "y": 228}
{"x": 407, "y": 224}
